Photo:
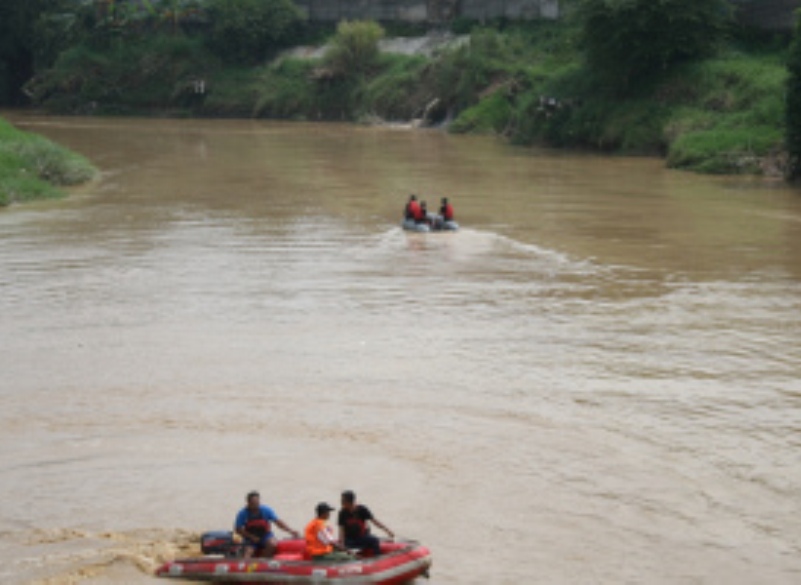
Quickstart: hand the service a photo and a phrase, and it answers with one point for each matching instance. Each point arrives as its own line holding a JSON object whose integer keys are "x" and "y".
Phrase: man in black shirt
{"x": 354, "y": 527}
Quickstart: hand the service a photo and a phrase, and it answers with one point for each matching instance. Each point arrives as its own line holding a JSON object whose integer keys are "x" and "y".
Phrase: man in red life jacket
{"x": 354, "y": 527}
{"x": 412, "y": 211}
{"x": 253, "y": 525}
{"x": 446, "y": 211}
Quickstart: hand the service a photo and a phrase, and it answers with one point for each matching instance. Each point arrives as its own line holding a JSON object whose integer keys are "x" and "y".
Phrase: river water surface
{"x": 596, "y": 381}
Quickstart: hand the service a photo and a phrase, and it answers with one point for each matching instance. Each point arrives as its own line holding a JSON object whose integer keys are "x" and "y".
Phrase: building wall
{"x": 427, "y": 10}
{"x": 768, "y": 14}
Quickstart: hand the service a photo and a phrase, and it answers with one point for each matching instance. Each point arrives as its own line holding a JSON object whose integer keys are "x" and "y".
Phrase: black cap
{"x": 322, "y": 508}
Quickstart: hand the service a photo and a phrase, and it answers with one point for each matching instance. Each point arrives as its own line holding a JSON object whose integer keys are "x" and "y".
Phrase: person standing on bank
{"x": 320, "y": 542}
{"x": 354, "y": 527}
{"x": 253, "y": 525}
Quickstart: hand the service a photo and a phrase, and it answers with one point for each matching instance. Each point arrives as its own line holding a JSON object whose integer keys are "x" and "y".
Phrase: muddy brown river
{"x": 596, "y": 381}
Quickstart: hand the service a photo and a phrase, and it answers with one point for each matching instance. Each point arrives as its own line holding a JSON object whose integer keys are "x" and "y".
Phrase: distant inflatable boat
{"x": 399, "y": 562}
{"x": 435, "y": 224}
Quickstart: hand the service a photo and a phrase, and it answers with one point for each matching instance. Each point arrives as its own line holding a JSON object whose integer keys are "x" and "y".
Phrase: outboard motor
{"x": 220, "y": 543}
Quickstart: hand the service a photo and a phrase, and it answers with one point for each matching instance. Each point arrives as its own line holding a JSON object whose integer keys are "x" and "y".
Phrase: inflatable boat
{"x": 435, "y": 223}
{"x": 399, "y": 562}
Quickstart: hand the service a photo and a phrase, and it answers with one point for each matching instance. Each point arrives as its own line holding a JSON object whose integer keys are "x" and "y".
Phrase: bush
{"x": 396, "y": 93}
{"x": 459, "y": 76}
{"x": 152, "y": 72}
{"x": 248, "y": 31}
{"x": 354, "y": 49}
{"x": 285, "y": 91}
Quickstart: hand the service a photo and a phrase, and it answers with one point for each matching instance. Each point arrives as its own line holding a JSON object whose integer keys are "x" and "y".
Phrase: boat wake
{"x": 471, "y": 242}
{"x": 70, "y": 556}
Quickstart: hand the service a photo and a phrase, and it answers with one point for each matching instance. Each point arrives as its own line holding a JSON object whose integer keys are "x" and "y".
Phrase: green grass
{"x": 491, "y": 115}
{"x": 724, "y": 151}
{"x": 33, "y": 167}
{"x": 730, "y": 114}
{"x": 721, "y": 115}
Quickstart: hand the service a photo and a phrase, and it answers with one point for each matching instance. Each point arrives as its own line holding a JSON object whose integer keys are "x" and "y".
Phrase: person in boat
{"x": 253, "y": 524}
{"x": 412, "y": 210}
{"x": 320, "y": 542}
{"x": 422, "y": 217}
{"x": 446, "y": 210}
{"x": 354, "y": 525}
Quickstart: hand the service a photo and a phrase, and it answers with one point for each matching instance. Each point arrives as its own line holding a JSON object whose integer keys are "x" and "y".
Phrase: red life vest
{"x": 447, "y": 212}
{"x": 257, "y": 525}
{"x": 414, "y": 211}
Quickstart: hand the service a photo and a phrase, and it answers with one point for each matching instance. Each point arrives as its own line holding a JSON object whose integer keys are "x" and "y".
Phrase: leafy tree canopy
{"x": 19, "y": 42}
{"x": 247, "y": 31}
{"x": 631, "y": 41}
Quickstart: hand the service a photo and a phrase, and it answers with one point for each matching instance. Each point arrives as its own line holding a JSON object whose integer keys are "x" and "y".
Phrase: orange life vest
{"x": 314, "y": 546}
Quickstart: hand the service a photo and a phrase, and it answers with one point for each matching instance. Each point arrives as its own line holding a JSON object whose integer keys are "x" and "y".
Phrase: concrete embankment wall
{"x": 427, "y": 10}
{"x": 778, "y": 15}
{"x": 775, "y": 15}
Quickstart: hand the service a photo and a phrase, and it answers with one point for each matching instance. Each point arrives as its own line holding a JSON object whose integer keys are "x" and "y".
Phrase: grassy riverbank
{"x": 33, "y": 167}
{"x": 527, "y": 83}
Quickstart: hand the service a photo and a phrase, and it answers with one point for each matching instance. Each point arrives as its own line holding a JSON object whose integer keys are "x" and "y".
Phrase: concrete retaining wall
{"x": 427, "y": 10}
{"x": 775, "y": 15}
{"x": 767, "y": 14}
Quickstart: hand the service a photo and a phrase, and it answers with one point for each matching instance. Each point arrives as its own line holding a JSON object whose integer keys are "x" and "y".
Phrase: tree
{"x": 632, "y": 41}
{"x": 17, "y": 20}
{"x": 247, "y": 31}
{"x": 793, "y": 111}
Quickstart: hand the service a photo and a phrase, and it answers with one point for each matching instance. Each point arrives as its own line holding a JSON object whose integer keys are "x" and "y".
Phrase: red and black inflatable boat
{"x": 399, "y": 562}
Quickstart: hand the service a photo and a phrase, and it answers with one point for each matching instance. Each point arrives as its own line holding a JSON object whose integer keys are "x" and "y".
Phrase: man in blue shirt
{"x": 253, "y": 524}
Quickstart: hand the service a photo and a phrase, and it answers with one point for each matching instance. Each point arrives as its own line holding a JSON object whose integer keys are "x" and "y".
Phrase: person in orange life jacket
{"x": 320, "y": 542}
{"x": 354, "y": 527}
{"x": 412, "y": 208}
{"x": 446, "y": 211}
{"x": 253, "y": 525}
